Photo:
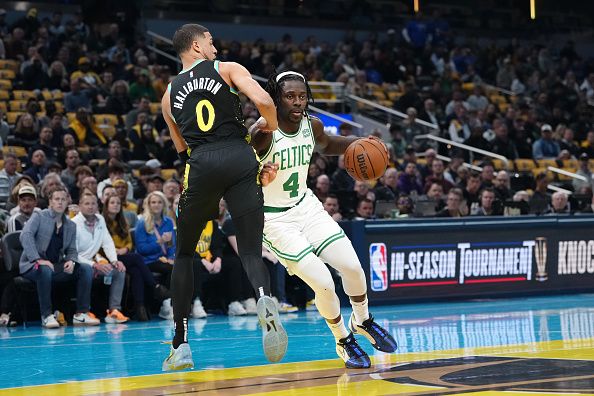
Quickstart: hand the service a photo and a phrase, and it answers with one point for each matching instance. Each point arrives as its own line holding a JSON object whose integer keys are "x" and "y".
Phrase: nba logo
{"x": 378, "y": 264}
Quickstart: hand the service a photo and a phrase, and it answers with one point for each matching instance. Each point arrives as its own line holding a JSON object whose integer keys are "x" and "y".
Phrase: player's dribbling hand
{"x": 268, "y": 173}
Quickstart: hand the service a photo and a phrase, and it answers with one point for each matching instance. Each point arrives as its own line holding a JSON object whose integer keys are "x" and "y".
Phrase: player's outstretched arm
{"x": 333, "y": 144}
{"x": 242, "y": 79}
{"x": 180, "y": 144}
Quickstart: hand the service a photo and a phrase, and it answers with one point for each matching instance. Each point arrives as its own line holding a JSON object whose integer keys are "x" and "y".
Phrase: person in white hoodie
{"x": 91, "y": 235}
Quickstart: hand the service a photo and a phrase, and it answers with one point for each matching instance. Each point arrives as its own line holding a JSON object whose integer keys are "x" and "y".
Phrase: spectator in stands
{"x": 144, "y": 139}
{"x": 142, "y": 88}
{"x": 9, "y": 173}
{"x": 129, "y": 206}
{"x": 115, "y": 155}
{"x": 13, "y": 199}
{"x": 502, "y": 144}
{"x": 459, "y": 129}
{"x": 502, "y": 186}
{"x": 38, "y": 168}
{"x": 34, "y": 75}
{"x": 364, "y": 209}
{"x": 29, "y": 23}
{"x": 80, "y": 173}
{"x": 115, "y": 171}
{"x": 59, "y": 134}
{"x": 45, "y": 144}
{"x": 341, "y": 180}
{"x": 454, "y": 205}
{"x": 437, "y": 176}
{"x": 588, "y": 144}
{"x": 559, "y": 205}
{"x": 505, "y": 74}
{"x": 487, "y": 174}
{"x": 487, "y": 207}
{"x": 85, "y": 130}
{"x": 27, "y": 202}
{"x": 140, "y": 275}
{"x": 568, "y": 143}
{"x": 119, "y": 102}
{"x": 86, "y": 77}
{"x": 77, "y": 97}
{"x": 545, "y": 147}
{"x": 155, "y": 241}
{"x": 477, "y": 101}
{"x": 72, "y": 162}
{"x": 50, "y": 255}
{"x": 171, "y": 189}
{"x": 409, "y": 182}
{"x": 410, "y": 127}
{"x": 477, "y": 140}
{"x": 451, "y": 172}
{"x": 583, "y": 170}
{"x": 388, "y": 189}
{"x": 50, "y": 182}
{"x": 332, "y": 207}
{"x": 539, "y": 202}
{"x": 144, "y": 106}
{"x": 88, "y": 185}
{"x": 16, "y": 46}
{"x": 24, "y": 132}
{"x": 398, "y": 143}
{"x": 91, "y": 236}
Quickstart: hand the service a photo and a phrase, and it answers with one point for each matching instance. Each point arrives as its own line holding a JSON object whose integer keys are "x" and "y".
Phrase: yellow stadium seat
{"x": 16, "y": 150}
{"x": 4, "y": 95}
{"x": 503, "y": 106}
{"x": 168, "y": 174}
{"x": 591, "y": 163}
{"x": 7, "y": 74}
{"x": 47, "y": 95}
{"x": 20, "y": 94}
{"x": 524, "y": 164}
{"x": 109, "y": 131}
{"x": 5, "y": 85}
{"x": 155, "y": 108}
{"x": 537, "y": 171}
{"x": 543, "y": 163}
{"x": 499, "y": 164}
{"x": 107, "y": 119}
{"x": 18, "y": 105}
{"x": 11, "y": 116}
{"x": 468, "y": 86}
{"x": 3, "y": 107}
{"x": 421, "y": 161}
{"x": 9, "y": 64}
{"x": 59, "y": 107}
{"x": 57, "y": 95}
{"x": 571, "y": 163}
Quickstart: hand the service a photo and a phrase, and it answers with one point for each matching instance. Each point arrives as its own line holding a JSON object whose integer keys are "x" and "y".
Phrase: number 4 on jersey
{"x": 292, "y": 185}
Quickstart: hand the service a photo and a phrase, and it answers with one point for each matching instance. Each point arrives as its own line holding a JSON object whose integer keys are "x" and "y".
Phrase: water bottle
{"x": 107, "y": 279}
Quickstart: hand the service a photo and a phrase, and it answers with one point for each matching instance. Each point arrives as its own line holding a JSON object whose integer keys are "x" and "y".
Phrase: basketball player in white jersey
{"x": 299, "y": 231}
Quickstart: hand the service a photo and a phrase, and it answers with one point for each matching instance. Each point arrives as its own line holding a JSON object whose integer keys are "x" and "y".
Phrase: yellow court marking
{"x": 577, "y": 349}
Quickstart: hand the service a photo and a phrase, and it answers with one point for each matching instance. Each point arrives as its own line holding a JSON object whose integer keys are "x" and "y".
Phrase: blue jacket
{"x": 36, "y": 236}
{"x": 146, "y": 244}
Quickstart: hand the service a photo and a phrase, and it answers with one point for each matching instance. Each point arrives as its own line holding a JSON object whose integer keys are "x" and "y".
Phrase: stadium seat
{"x": 57, "y": 95}
{"x": 12, "y": 251}
{"x": 4, "y": 95}
{"x": 468, "y": 86}
{"x": 572, "y": 163}
{"x": 9, "y": 64}
{"x": 5, "y": 85}
{"x": 500, "y": 165}
{"x": 3, "y": 107}
{"x": 16, "y": 150}
{"x": 524, "y": 165}
{"x": 543, "y": 163}
{"x": 168, "y": 174}
{"x": 20, "y": 94}
{"x": 7, "y": 74}
{"x": 12, "y": 116}
{"x": 106, "y": 119}
{"x": 18, "y": 105}
{"x": 1, "y": 164}
{"x": 537, "y": 171}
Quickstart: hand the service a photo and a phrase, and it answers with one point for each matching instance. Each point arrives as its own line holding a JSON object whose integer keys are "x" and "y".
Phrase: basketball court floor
{"x": 527, "y": 346}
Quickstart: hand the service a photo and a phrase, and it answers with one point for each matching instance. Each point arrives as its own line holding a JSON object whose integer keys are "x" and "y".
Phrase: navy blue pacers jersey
{"x": 205, "y": 108}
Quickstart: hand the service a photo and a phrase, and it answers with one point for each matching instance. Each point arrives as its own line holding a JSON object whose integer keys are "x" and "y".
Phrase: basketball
{"x": 366, "y": 159}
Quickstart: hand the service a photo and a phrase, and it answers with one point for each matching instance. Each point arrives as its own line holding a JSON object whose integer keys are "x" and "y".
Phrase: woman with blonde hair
{"x": 155, "y": 241}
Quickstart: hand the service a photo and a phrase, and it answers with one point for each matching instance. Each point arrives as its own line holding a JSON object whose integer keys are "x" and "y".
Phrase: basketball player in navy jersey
{"x": 203, "y": 113}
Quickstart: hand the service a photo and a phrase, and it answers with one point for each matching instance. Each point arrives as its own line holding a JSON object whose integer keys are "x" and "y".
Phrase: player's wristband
{"x": 183, "y": 156}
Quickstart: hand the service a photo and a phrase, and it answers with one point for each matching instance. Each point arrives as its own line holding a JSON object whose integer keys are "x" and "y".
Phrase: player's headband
{"x": 289, "y": 73}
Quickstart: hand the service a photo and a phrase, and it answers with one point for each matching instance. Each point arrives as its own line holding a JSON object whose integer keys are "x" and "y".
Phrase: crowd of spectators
{"x": 91, "y": 180}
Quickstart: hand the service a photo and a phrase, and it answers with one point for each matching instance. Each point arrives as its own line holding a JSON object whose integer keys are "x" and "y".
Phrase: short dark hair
{"x": 183, "y": 37}
{"x": 115, "y": 167}
{"x": 332, "y": 196}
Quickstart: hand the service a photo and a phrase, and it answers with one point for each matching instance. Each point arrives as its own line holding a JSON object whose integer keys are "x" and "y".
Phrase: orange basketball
{"x": 366, "y": 159}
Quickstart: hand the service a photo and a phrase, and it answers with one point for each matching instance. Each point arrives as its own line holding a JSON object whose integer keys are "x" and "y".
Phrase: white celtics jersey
{"x": 292, "y": 153}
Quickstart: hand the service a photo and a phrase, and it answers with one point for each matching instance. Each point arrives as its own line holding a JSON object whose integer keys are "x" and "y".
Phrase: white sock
{"x": 338, "y": 329}
{"x": 361, "y": 310}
